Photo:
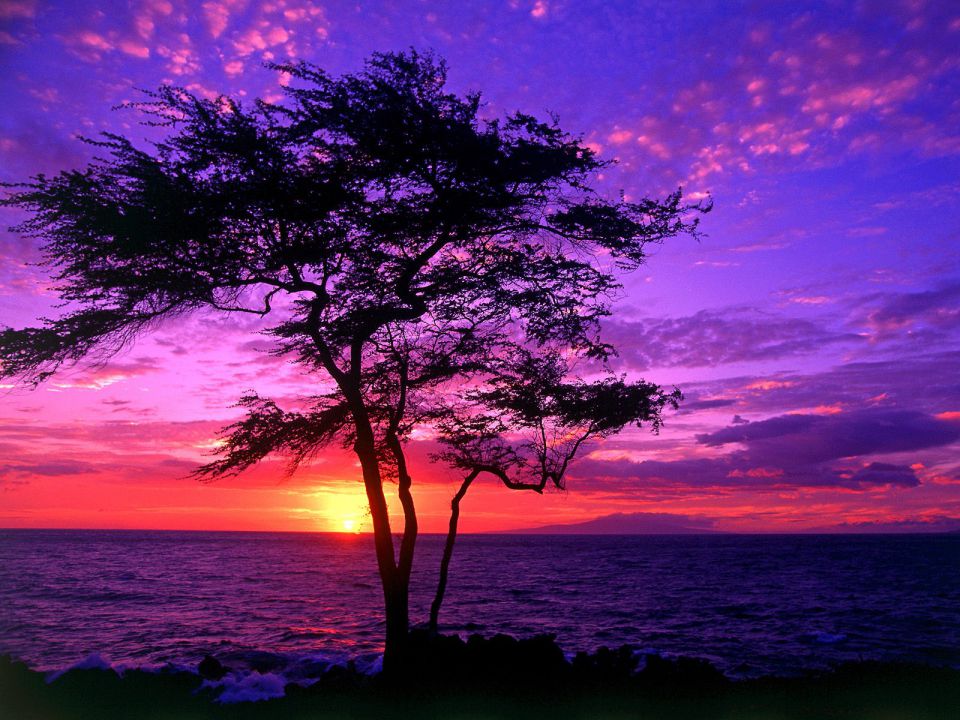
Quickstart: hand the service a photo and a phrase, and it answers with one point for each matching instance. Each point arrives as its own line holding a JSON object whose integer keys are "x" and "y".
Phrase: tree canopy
{"x": 402, "y": 247}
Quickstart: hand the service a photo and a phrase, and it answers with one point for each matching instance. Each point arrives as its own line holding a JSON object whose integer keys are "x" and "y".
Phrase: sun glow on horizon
{"x": 341, "y": 507}
{"x": 351, "y": 525}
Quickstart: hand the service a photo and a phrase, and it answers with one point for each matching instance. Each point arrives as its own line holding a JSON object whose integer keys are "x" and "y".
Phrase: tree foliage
{"x": 530, "y": 418}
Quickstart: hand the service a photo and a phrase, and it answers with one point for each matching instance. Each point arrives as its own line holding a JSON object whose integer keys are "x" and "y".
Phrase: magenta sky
{"x": 815, "y": 330}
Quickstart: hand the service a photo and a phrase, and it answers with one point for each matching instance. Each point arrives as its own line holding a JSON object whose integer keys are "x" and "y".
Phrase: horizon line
{"x": 514, "y": 532}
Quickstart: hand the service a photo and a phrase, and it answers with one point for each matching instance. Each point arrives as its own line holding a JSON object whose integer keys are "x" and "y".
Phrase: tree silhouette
{"x": 411, "y": 240}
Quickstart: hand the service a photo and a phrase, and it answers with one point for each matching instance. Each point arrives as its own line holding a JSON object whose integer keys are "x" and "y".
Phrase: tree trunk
{"x": 394, "y": 579}
{"x": 395, "y": 587}
{"x": 398, "y": 628}
{"x": 448, "y": 550}
{"x": 398, "y": 623}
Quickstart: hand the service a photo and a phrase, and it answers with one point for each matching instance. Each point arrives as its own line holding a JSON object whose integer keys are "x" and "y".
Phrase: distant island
{"x": 933, "y": 525}
{"x": 630, "y": 524}
{"x": 641, "y": 523}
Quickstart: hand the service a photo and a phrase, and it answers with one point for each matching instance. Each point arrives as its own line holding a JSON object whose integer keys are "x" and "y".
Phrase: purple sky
{"x": 815, "y": 330}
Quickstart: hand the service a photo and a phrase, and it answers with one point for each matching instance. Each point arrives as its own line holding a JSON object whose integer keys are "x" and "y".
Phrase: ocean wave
{"x": 251, "y": 687}
{"x": 93, "y": 661}
{"x": 249, "y": 675}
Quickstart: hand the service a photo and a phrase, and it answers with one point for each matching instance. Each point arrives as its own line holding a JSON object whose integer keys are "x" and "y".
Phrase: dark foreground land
{"x": 494, "y": 678}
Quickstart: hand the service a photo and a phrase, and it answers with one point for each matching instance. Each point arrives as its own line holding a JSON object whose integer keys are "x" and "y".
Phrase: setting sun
{"x": 339, "y": 507}
{"x": 351, "y": 525}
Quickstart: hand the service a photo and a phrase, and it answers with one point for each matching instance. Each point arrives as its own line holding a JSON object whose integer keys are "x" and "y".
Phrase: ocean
{"x": 289, "y": 603}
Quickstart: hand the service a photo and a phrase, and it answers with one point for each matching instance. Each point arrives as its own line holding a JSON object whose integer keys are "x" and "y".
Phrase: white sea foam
{"x": 248, "y": 687}
{"x": 93, "y": 661}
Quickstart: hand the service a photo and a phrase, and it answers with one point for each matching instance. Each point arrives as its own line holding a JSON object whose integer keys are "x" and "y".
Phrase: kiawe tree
{"x": 400, "y": 244}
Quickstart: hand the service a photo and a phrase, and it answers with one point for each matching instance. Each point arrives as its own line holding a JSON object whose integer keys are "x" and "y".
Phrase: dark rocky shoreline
{"x": 495, "y": 677}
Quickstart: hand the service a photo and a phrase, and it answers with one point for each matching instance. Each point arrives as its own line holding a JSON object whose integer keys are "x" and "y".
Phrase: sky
{"x": 814, "y": 329}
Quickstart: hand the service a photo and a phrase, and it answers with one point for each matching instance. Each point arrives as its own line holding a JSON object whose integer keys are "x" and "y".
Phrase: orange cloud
{"x": 835, "y": 409}
{"x": 770, "y": 384}
{"x": 758, "y": 472}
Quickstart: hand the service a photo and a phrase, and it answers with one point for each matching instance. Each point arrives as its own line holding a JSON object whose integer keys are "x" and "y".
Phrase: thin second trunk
{"x": 448, "y": 550}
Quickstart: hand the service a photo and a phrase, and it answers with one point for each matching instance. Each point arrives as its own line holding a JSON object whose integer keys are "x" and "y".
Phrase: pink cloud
{"x": 307, "y": 11}
{"x": 159, "y": 7}
{"x": 264, "y": 30}
{"x": 18, "y": 9}
{"x": 928, "y": 313}
{"x": 704, "y": 98}
{"x": 769, "y": 384}
{"x": 46, "y": 94}
{"x": 760, "y": 246}
{"x": 714, "y": 160}
{"x": 144, "y": 25}
{"x": 250, "y": 41}
{"x": 144, "y": 19}
{"x": 654, "y": 135}
{"x": 774, "y": 137}
{"x": 90, "y": 45}
{"x": 181, "y": 59}
{"x": 618, "y": 137}
{"x": 233, "y": 68}
{"x": 131, "y": 47}
{"x": 834, "y": 409}
{"x": 815, "y": 92}
{"x": 277, "y": 35}
{"x": 102, "y": 377}
{"x": 540, "y": 9}
{"x": 656, "y": 148}
{"x": 94, "y": 41}
{"x": 810, "y": 299}
{"x": 860, "y": 97}
{"x": 217, "y": 15}
{"x": 759, "y": 472}
{"x": 203, "y": 91}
